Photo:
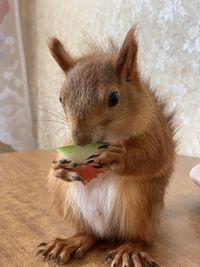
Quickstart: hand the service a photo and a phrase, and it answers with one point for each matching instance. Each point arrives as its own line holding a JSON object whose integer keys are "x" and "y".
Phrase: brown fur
{"x": 63, "y": 59}
{"x": 139, "y": 121}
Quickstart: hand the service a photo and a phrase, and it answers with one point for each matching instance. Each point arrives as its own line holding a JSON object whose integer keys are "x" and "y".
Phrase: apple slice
{"x": 88, "y": 173}
{"x": 79, "y": 155}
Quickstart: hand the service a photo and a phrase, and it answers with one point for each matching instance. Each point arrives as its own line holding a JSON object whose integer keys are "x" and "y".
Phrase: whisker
{"x": 59, "y": 129}
{"x": 49, "y": 121}
{"x": 55, "y": 115}
{"x": 49, "y": 96}
{"x": 65, "y": 131}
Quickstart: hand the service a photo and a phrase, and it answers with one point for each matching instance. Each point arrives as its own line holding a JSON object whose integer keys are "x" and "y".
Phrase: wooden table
{"x": 27, "y": 218}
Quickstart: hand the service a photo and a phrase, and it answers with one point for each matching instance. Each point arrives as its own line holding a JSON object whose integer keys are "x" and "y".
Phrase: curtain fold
{"x": 15, "y": 112}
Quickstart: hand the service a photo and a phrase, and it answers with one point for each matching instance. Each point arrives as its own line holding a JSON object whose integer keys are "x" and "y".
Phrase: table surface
{"x": 27, "y": 218}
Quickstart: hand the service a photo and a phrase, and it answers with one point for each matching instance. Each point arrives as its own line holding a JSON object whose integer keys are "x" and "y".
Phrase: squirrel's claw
{"x": 62, "y": 169}
{"x": 104, "y": 146}
{"x": 113, "y": 157}
{"x": 42, "y": 244}
{"x": 92, "y": 156}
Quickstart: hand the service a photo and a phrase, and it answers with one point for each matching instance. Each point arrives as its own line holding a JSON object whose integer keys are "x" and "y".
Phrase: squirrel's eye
{"x": 113, "y": 99}
{"x": 60, "y": 98}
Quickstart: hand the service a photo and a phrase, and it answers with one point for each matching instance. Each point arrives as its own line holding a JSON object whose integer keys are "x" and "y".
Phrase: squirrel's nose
{"x": 80, "y": 139}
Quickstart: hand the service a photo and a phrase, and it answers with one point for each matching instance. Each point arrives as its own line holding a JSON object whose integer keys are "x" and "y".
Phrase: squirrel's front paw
{"x": 63, "y": 169}
{"x": 112, "y": 156}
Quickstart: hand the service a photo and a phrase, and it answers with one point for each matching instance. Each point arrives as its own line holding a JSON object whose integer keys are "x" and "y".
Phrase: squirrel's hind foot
{"x": 61, "y": 250}
{"x": 127, "y": 255}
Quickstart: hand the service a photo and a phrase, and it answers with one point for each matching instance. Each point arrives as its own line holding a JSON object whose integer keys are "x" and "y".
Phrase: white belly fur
{"x": 94, "y": 201}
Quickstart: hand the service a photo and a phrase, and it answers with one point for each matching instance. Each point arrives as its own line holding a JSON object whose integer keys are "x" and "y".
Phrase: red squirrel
{"x": 105, "y": 100}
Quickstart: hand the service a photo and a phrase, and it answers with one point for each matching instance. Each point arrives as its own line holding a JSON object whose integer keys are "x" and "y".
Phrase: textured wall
{"x": 169, "y": 39}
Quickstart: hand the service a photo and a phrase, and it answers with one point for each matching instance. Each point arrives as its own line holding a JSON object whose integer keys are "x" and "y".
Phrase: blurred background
{"x": 169, "y": 57}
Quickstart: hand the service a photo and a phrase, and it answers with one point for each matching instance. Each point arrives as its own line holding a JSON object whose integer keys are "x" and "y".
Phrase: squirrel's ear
{"x": 64, "y": 60}
{"x": 127, "y": 58}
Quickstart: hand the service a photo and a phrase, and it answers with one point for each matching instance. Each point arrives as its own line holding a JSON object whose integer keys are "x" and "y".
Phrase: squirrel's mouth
{"x": 101, "y": 139}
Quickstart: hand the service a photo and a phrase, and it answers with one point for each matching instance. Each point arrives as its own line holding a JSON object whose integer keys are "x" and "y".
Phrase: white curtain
{"x": 15, "y": 113}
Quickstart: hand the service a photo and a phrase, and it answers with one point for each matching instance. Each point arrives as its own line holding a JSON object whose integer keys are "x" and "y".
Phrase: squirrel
{"x": 106, "y": 100}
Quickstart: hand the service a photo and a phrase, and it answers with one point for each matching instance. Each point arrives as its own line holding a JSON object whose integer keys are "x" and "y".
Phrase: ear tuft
{"x": 64, "y": 60}
{"x": 127, "y": 58}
